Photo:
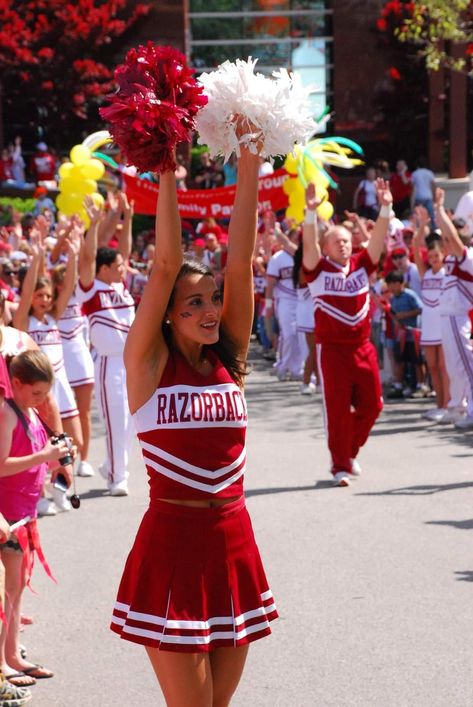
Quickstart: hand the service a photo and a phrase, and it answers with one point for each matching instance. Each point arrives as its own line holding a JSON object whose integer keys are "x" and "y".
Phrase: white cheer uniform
{"x": 456, "y": 300}
{"x": 110, "y": 310}
{"x": 77, "y": 358}
{"x": 47, "y": 336}
{"x": 305, "y": 319}
{"x": 431, "y": 328}
{"x": 291, "y": 358}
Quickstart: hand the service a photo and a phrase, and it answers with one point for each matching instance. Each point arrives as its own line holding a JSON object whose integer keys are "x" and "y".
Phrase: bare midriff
{"x": 211, "y": 503}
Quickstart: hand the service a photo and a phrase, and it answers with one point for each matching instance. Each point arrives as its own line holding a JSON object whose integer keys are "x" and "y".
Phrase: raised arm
{"x": 70, "y": 279}
{"x": 310, "y": 237}
{"x": 377, "y": 240}
{"x": 88, "y": 252}
{"x": 238, "y": 303}
{"x": 449, "y": 232}
{"x": 108, "y": 225}
{"x": 125, "y": 238}
{"x": 423, "y": 219}
{"x": 21, "y": 316}
{"x": 146, "y": 352}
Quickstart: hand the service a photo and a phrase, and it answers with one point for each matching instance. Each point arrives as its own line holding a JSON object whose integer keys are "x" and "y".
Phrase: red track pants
{"x": 351, "y": 389}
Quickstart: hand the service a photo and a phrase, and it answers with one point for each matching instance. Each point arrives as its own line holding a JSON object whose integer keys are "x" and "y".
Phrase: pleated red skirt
{"x": 194, "y": 581}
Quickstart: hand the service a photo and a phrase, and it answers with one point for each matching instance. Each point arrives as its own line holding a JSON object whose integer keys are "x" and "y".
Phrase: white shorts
{"x": 63, "y": 395}
{"x": 305, "y": 311}
{"x": 78, "y": 361}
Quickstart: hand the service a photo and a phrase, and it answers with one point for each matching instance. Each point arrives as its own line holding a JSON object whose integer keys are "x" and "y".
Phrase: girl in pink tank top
{"x": 25, "y": 451}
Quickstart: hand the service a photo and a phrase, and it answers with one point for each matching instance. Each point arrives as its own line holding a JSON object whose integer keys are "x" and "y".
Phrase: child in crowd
{"x": 405, "y": 310}
{"x": 25, "y": 452}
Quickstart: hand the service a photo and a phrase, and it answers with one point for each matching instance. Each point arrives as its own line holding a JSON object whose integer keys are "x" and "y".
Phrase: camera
{"x": 63, "y": 461}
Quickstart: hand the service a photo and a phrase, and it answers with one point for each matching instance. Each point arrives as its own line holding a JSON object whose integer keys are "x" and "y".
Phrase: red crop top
{"x": 192, "y": 433}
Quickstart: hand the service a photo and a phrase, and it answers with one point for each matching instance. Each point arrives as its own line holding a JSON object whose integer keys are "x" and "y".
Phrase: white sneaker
{"x": 103, "y": 470}
{"x": 45, "y": 507}
{"x": 85, "y": 469}
{"x": 452, "y": 415}
{"x": 120, "y": 488}
{"x": 355, "y": 467}
{"x": 307, "y": 389}
{"x": 465, "y": 424}
{"x": 435, "y": 414}
{"x": 60, "y": 500}
{"x": 341, "y": 478}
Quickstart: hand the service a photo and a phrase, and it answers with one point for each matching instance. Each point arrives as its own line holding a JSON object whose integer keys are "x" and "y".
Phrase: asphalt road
{"x": 374, "y": 583}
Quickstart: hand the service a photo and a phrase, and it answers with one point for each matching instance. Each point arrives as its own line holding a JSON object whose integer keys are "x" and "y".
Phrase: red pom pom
{"x": 154, "y": 108}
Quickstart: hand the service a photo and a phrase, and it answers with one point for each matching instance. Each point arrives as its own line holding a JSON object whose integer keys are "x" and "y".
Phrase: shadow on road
{"x": 467, "y": 575}
{"x": 289, "y": 489}
{"x": 425, "y": 490}
{"x": 460, "y": 524}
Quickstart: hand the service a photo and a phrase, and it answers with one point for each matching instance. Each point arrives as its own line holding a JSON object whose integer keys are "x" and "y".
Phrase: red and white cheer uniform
{"x": 110, "y": 310}
{"x": 194, "y": 580}
{"x": 431, "y": 331}
{"x": 347, "y": 359}
{"x": 77, "y": 357}
{"x": 291, "y": 358}
{"x": 47, "y": 336}
{"x": 456, "y": 300}
{"x": 305, "y": 321}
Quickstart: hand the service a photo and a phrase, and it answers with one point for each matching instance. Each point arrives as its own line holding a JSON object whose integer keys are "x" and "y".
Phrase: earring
{"x": 167, "y": 321}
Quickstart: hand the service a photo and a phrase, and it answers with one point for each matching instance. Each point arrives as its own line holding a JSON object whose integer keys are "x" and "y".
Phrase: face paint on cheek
{"x": 185, "y": 315}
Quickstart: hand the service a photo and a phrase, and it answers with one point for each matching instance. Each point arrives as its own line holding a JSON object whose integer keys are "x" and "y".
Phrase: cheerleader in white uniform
{"x": 305, "y": 323}
{"x": 78, "y": 361}
{"x": 432, "y": 278}
{"x": 38, "y": 314}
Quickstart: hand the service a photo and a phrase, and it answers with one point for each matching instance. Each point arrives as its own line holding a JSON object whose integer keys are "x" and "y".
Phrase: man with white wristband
{"x": 347, "y": 360}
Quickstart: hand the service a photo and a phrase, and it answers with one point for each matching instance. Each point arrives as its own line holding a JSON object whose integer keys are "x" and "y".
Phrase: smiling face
{"x": 196, "y": 310}
{"x": 435, "y": 258}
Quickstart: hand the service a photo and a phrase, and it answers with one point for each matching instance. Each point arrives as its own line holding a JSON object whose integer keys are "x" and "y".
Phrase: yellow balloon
{"x": 295, "y": 213}
{"x": 297, "y": 199}
{"x": 325, "y": 210}
{"x": 70, "y": 203}
{"x": 80, "y": 154}
{"x": 289, "y": 185}
{"x": 93, "y": 169}
{"x": 290, "y": 164}
{"x": 98, "y": 200}
{"x": 60, "y": 202}
{"x": 65, "y": 170}
{"x": 82, "y": 213}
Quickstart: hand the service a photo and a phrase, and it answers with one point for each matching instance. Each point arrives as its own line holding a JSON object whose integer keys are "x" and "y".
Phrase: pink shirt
{"x": 19, "y": 493}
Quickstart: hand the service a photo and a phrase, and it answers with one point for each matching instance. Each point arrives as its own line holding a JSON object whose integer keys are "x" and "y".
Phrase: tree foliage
{"x": 53, "y": 55}
{"x": 432, "y": 26}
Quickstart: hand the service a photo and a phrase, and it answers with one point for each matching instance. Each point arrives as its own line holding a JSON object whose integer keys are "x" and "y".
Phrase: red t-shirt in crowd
{"x": 43, "y": 167}
{"x": 399, "y": 190}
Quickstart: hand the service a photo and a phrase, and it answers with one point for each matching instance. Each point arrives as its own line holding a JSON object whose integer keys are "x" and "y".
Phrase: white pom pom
{"x": 277, "y": 109}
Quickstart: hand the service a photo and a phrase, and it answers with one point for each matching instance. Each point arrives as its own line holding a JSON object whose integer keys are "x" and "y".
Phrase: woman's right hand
{"x": 53, "y": 452}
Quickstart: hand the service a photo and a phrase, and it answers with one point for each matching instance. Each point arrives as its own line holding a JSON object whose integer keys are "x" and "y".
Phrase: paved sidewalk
{"x": 373, "y": 582}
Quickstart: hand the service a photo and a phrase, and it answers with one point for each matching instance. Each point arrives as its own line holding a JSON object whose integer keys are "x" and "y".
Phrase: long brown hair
{"x": 225, "y": 347}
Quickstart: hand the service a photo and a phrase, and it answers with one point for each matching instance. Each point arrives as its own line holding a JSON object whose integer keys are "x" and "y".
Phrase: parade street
{"x": 374, "y": 583}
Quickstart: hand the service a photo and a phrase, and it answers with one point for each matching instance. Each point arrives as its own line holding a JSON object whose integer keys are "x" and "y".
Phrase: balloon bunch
{"x": 306, "y": 165}
{"x": 78, "y": 177}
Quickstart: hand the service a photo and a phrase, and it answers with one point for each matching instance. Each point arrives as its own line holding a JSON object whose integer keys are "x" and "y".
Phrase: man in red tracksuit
{"x": 347, "y": 359}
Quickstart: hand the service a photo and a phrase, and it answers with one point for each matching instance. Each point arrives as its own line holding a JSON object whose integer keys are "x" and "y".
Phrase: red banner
{"x": 203, "y": 203}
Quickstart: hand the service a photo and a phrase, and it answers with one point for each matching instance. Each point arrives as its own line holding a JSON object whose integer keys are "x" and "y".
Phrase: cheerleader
{"x": 432, "y": 278}
{"x": 197, "y": 597}
{"x": 38, "y": 314}
{"x": 78, "y": 362}
{"x": 305, "y": 323}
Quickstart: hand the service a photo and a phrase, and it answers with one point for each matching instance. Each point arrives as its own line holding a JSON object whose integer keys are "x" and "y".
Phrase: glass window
{"x": 294, "y": 34}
